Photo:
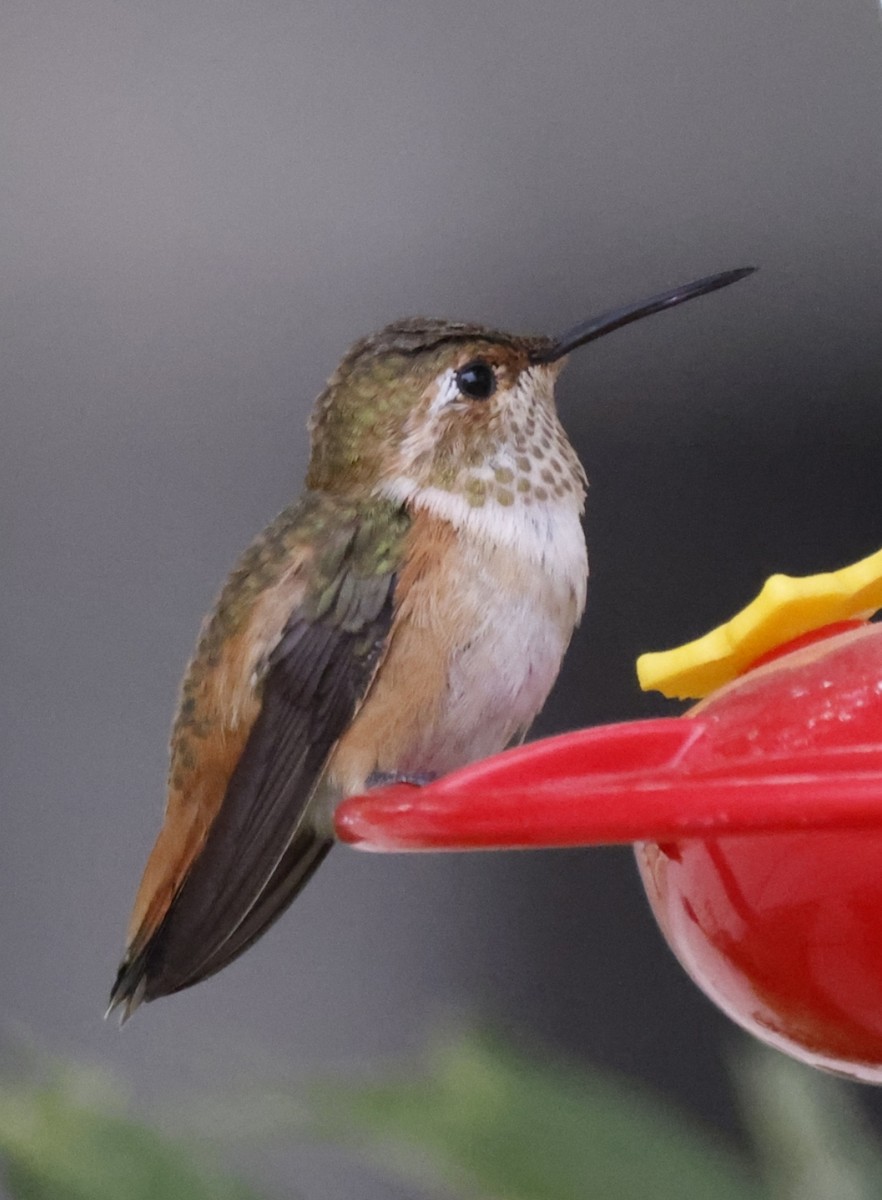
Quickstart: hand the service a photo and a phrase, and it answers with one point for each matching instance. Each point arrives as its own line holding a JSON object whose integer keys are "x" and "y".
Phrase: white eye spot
{"x": 446, "y": 391}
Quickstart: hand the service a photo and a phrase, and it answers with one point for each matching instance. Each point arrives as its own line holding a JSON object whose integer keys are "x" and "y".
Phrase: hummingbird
{"x": 406, "y": 616}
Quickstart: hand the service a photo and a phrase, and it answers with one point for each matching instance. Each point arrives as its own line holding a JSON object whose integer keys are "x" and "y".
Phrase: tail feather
{"x": 169, "y": 960}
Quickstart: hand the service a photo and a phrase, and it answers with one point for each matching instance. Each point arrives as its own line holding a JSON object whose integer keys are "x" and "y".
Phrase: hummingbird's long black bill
{"x": 596, "y": 327}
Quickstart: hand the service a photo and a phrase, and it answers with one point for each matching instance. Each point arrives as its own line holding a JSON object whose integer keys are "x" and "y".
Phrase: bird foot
{"x": 379, "y": 779}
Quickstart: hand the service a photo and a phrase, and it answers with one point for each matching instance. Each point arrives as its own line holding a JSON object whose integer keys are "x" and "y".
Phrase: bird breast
{"x": 484, "y": 612}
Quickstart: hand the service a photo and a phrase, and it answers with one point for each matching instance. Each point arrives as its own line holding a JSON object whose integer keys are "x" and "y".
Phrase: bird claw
{"x": 378, "y": 779}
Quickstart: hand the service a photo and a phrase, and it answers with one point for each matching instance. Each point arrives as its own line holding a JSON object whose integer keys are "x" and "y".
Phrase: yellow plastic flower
{"x": 785, "y": 609}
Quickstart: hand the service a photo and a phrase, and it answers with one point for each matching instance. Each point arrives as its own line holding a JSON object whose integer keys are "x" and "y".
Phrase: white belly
{"x": 513, "y": 621}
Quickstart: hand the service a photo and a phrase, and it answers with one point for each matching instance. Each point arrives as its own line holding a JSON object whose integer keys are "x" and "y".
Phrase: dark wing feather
{"x": 302, "y": 858}
{"x": 262, "y": 846}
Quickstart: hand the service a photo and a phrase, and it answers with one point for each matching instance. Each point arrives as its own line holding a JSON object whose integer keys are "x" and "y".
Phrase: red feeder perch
{"x": 758, "y": 823}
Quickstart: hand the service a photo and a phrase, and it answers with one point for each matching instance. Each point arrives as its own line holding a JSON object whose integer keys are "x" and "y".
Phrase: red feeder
{"x": 758, "y": 818}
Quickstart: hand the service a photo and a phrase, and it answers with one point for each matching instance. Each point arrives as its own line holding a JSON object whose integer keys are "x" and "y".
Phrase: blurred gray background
{"x": 203, "y": 203}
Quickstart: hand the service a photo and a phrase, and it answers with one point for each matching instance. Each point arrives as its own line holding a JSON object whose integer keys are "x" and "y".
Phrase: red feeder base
{"x": 783, "y": 932}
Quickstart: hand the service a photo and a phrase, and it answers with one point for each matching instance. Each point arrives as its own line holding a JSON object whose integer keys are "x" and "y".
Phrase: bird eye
{"x": 476, "y": 380}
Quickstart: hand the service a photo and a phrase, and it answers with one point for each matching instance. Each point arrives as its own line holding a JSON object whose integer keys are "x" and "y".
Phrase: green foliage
{"x": 812, "y": 1139}
{"x": 487, "y": 1121}
{"x": 477, "y": 1119}
{"x": 64, "y": 1137}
